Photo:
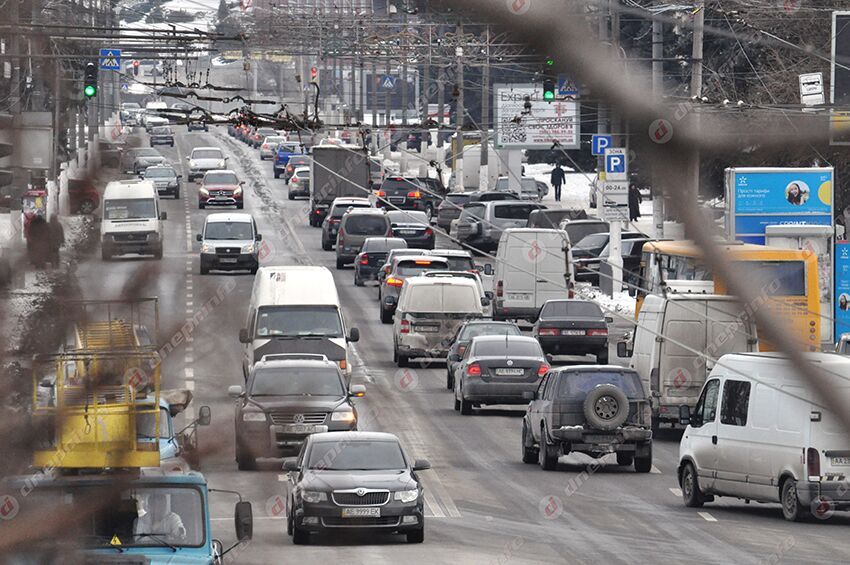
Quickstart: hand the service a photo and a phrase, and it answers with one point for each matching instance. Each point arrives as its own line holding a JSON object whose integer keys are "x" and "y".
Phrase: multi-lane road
{"x": 483, "y": 505}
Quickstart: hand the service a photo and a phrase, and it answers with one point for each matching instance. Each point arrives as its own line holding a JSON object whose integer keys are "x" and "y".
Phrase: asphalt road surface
{"x": 483, "y": 505}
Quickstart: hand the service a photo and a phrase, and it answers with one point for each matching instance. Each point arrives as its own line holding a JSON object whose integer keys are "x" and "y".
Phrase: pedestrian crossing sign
{"x": 388, "y": 82}
{"x": 110, "y": 59}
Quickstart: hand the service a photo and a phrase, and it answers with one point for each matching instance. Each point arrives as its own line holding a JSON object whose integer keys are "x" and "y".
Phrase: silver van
{"x": 481, "y": 223}
{"x": 355, "y": 228}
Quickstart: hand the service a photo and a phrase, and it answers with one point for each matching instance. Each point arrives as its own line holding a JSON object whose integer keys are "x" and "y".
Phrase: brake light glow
{"x": 414, "y": 194}
{"x": 547, "y": 331}
{"x": 422, "y": 262}
{"x": 542, "y": 369}
{"x": 499, "y": 288}
{"x": 474, "y": 370}
{"x": 294, "y": 179}
{"x": 813, "y": 464}
{"x": 429, "y": 232}
{"x": 289, "y": 168}
{"x": 405, "y": 327}
{"x": 597, "y": 332}
{"x": 364, "y": 259}
{"x": 380, "y": 194}
{"x": 392, "y": 281}
{"x": 265, "y": 145}
{"x": 343, "y": 364}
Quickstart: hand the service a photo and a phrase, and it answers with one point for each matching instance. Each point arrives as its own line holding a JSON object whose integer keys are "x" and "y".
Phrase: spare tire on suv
{"x": 606, "y": 407}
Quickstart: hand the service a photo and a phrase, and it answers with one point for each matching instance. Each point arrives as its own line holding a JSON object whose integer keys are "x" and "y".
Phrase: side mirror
{"x": 243, "y": 336}
{"x": 217, "y": 549}
{"x": 205, "y": 415}
{"x": 485, "y": 301}
{"x": 421, "y": 465}
{"x": 199, "y": 237}
{"x": 623, "y": 349}
{"x": 290, "y": 465}
{"x": 234, "y": 391}
{"x": 163, "y": 216}
{"x": 244, "y": 517}
{"x": 259, "y": 237}
{"x": 529, "y": 395}
{"x": 609, "y": 320}
{"x": 357, "y": 391}
{"x": 179, "y": 176}
{"x": 389, "y": 300}
{"x": 550, "y": 359}
{"x": 488, "y": 269}
{"x": 188, "y": 157}
{"x": 353, "y": 335}
{"x": 489, "y": 294}
{"x": 241, "y": 182}
{"x": 684, "y": 415}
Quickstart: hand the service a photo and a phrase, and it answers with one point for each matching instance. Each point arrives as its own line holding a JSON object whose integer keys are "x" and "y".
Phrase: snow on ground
{"x": 621, "y": 304}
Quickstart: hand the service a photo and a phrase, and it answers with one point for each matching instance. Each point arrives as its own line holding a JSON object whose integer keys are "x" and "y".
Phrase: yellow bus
{"x": 786, "y": 281}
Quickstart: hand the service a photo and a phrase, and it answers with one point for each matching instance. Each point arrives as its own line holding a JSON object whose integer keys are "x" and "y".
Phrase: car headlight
{"x": 221, "y": 164}
{"x": 343, "y": 416}
{"x": 204, "y": 191}
{"x": 249, "y": 248}
{"x": 313, "y": 497}
{"x": 192, "y": 165}
{"x": 207, "y": 248}
{"x": 253, "y": 417}
{"x": 406, "y": 495}
{"x": 237, "y": 191}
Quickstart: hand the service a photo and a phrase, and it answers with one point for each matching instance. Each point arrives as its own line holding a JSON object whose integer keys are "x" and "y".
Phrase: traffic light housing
{"x": 90, "y": 81}
{"x": 548, "y": 90}
{"x": 314, "y": 74}
{"x": 136, "y": 68}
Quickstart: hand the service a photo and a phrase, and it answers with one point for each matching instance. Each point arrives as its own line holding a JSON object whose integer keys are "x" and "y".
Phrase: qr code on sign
{"x": 513, "y": 133}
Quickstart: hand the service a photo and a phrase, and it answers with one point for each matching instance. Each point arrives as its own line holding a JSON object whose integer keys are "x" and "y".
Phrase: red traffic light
{"x": 135, "y": 63}
{"x": 314, "y": 73}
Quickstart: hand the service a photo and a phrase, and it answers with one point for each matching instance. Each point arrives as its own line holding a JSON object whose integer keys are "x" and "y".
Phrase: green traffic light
{"x": 550, "y": 61}
{"x": 548, "y": 95}
{"x": 90, "y": 90}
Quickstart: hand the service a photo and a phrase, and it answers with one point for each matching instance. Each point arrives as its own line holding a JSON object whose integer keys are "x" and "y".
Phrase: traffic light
{"x": 314, "y": 74}
{"x": 90, "y": 81}
{"x": 136, "y": 68}
{"x": 550, "y": 62}
{"x": 548, "y": 89}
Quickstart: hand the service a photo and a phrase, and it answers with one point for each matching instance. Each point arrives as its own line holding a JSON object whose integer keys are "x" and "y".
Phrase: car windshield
{"x": 507, "y": 348}
{"x": 578, "y": 231}
{"x": 266, "y": 132}
{"x": 229, "y": 230}
{"x": 360, "y": 455}
{"x": 400, "y": 184}
{"x": 206, "y": 154}
{"x": 288, "y": 147}
{"x": 366, "y": 225}
{"x": 458, "y": 199}
{"x": 574, "y": 309}
{"x": 160, "y": 173}
{"x": 221, "y": 178}
{"x": 407, "y": 217}
{"x": 474, "y": 330}
{"x": 147, "y": 153}
{"x": 297, "y": 160}
{"x": 379, "y": 244}
{"x": 513, "y": 211}
{"x": 300, "y": 381}
{"x": 340, "y": 209}
{"x": 299, "y": 321}
{"x": 272, "y": 139}
{"x": 575, "y": 384}
{"x": 460, "y": 263}
{"x": 146, "y": 425}
{"x": 130, "y": 106}
{"x": 413, "y": 268}
{"x": 472, "y": 212}
{"x": 158, "y": 515}
{"x": 593, "y": 244}
{"x": 129, "y": 209}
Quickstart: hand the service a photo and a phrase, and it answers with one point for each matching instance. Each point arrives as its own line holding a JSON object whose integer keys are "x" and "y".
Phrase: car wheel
{"x": 457, "y": 404}
{"x": 416, "y": 536}
{"x": 299, "y": 536}
{"x": 529, "y": 453}
{"x": 606, "y": 407}
{"x": 201, "y": 205}
{"x": 624, "y": 459}
{"x": 429, "y": 212}
{"x": 357, "y": 280}
{"x": 204, "y": 269}
{"x": 245, "y": 463}
{"x": 644, "y": 464}
{"x": 326, "y": 245}
{"x": 240, "y": 205}
{"x": 792, "y": 509}
{"x": 450, "y": 380}
{"x": 691, "y": 493}
{"x": 157, "y": 254}
{"x": 401, "y": 360}
{"x": 177, "y": 194}
{"x": 289, "y": 521}
{"x": 276, "y": 175}
{"x": 86, "y": 207}
{"x": 254, "y": 269}
{"x": 547, "y": 461}
{"x": 602, "y": 356}
{"x": 465, "y": 406}
{"x": 291, "y": 197}
{"x": 105, "y": 255}
{"x": 386, "y": 317}
{"x": 340, "y": 263}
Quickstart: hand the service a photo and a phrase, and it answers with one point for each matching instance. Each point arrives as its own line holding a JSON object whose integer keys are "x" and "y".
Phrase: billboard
{"x": 536, "y": 126}
{"x": 758, "y": 197}
{"x": 840, "y": 78}
{"x": 842, "y": 288}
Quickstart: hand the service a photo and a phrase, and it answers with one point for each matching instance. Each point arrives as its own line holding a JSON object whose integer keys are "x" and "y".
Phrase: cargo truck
{"x": 337, "y": 171}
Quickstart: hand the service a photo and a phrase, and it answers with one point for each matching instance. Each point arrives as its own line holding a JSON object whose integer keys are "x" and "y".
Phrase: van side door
{"x": 734, "y": 439}
{"x": 701, "y": 437}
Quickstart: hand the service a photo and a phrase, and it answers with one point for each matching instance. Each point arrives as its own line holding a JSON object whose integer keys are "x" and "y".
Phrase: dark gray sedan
{"x": 413, "y": 227}
{"x": 465, "y": 334}
{"x": 372, "y": 257}
{"x": 498, "y": 370}
{"x": 573, "y": 327}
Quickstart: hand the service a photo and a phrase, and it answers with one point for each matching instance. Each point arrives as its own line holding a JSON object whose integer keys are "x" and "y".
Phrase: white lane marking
{"x": 676, "y": 491}
{"x": 189, "y": 360}
{"x": 190, "y": 304}
{"x": 189, "y": 295}
{"x": 282, "y": 478}
{"x": 707, "y": 517}
{"x": 655, "y": 470}
{"x": 190, "y": 385}
{"x": 432, "y": 505}
{"x": 189, "y": 373}
{"x": 190, "y": 349}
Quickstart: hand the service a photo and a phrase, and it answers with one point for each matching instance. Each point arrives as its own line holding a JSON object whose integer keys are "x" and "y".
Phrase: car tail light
{"x": 474, "y": 370}
{"x": 542, "y": 369}
{"x": 429, "y": 232}
{"x": 380, "y": 194}
{"x": 294, "y": 180}
{"x": 364, "y": 259}
{"x": 392, "y": 281}
{"x": 499, "y": 289}
{"x": 422, "y": 262}
{"x": 813, "y": 463}
{"x": 414, "y": 194}
{"x": 597, "y": 332}
{"x": 318, "y": 212}
{"x": 340, "y": 237}
{"x": 289, "y": 168}
{"x": 335, "y": 220}
{"x": 405, "y": 327}
{"x": 461, "y": 349}
{"x": 647, "y": 413}
{"x": 265, "y": 146}
{"x": 547, "y": 331}
{"x": 343, "y": 364}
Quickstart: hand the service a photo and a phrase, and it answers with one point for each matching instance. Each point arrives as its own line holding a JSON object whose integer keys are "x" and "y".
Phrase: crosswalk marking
{"x": 676, "y": 491}
{"x": 707, "y": 517}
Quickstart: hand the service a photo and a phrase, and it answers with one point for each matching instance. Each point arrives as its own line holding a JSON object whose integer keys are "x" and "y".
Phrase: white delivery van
{"x": 295, "y": 309}
{"x": 759, "y": 433}
{"x": 668, "y": 332}
{"x": 132, "y": 220}
{"x": 533, "y": 265}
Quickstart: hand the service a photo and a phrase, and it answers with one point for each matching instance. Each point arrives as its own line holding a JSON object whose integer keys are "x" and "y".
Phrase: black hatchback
{"x": 373, "y": 256}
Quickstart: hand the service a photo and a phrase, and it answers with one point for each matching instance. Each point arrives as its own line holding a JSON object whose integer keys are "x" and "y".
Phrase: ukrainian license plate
{"x": 228, "y": 259}
{"x": 361, "y": 512}
{"x": 572, "y": 332}
{"x": 303, "y": 429}
{"x": 841, "y": 461}
{"x": 407, "y": 232}
{"x": 426, "y": 329}
{"x": 512, "y": 296}
{"x": 510, "y": 372}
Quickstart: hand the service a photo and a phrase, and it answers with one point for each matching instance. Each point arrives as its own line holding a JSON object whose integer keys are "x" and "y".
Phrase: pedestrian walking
{"x": 634, "y": 203}
{"x": 557, "y": 179}
{"x": 57, "y": 238}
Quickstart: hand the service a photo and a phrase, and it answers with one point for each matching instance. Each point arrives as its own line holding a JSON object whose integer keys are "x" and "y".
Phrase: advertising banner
{"x": 842, "y": 288}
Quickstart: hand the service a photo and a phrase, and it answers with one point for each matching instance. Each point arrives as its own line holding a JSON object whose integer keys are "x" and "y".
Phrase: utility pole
{"x": 657, "y": 95}
{"x": 458, "y": 149}
{"x": 485, "y": 111}
{"x": 696, "y": 87}
{"x": 441, "y": 104}
{"x": 426, "y": 73}
{"x": 404, "y": 89}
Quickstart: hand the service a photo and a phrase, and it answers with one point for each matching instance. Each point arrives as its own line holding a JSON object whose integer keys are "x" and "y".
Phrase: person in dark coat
{"x": 557, "y": 179}
{"x": 57, "y": 238}
{"x": 38, "y": 241}
{"x": 634, "y": 203}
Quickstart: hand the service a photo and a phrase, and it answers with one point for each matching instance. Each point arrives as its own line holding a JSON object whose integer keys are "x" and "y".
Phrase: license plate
{"x": 572, "y": 332}
{"x": 510, "y": 372}
{"x": 841, "y": 461}
{"x": 512, "y": 296}
{"x": 228, "y": 260}
{"x": 361, "y": 512}
{"x": 426, "y": 329}
{"x": 407, "y": 232}
{"x": 303, "y": 429}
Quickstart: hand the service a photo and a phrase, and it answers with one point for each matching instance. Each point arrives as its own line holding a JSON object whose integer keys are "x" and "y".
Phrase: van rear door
{"x": 550, "y": 268}
{"x": 518, "y": 259}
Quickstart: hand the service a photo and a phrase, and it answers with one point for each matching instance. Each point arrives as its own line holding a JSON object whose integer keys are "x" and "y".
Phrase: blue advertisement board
{"x": 842, "y": 288}
{"x": 761, "y": 197}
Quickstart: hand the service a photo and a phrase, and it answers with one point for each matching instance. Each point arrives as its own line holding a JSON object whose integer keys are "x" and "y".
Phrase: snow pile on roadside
{"x": 20, "y": 306}
{"x": 575, "y": 192}
{"x": 621, "y": 303}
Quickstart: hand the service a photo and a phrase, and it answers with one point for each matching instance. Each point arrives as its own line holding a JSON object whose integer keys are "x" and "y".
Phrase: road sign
{"x": 811, "y": 89}
{"x": 125, "y": 87}
{"x": 110, "y": 59}
{"x": 615, "y": 201}
{"x": 541, "y": 126}
{"x": 599, "y": 143}
{"x": 566, "y": 86}
{"x": 616, "y": 164}
{"x": 388, "y": 82}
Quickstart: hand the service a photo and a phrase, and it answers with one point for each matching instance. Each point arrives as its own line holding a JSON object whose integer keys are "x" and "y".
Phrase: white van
{"x": 533, "y": 265}
{"x": 759, "y": 433}
{"x": 430, "y": 310}
{"x": 710, "y": 324}
{"x": 132, "y": 220}
{"x": 295, "y": 309}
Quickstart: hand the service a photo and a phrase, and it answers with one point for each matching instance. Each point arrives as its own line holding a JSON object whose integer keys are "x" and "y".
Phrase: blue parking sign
{"x": 599, "y": 143}
{"x": 615, "y": 163}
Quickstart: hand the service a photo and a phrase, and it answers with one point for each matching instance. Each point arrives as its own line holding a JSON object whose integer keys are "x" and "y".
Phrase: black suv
{"x": 288, "y": 397}
{"x": 589, "y": 409}
{"x": 409, "y": 193}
